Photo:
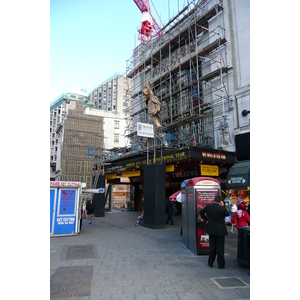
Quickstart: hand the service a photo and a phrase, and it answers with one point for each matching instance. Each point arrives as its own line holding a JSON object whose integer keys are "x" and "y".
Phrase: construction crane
{"x": 149, "y": 27}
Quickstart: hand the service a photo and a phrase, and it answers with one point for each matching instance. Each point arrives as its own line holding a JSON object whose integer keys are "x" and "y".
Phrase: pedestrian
{"x": 90, "y": 206}
{"x": 214, "y": 215}
{"x": 169, "y": 207}
{"x": 233, "y": 211}
{"x": 140, "y": 218}
{"x": 81, "y": 211}
{"x": 241, "y": 217}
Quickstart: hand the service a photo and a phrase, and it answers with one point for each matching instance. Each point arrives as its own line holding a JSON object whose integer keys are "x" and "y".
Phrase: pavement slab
{"x": 112, "y": 259}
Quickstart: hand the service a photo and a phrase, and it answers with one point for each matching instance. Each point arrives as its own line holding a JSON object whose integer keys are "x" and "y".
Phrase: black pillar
{"x": 99, "y": 199}
{"x": 154, "y": 196}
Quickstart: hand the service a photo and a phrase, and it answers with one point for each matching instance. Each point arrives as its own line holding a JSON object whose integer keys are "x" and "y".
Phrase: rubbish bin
{"x": 243, "y": 251}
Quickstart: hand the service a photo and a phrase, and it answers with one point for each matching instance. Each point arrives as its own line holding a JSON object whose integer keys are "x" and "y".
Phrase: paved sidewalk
{"x": 111, "y": 259}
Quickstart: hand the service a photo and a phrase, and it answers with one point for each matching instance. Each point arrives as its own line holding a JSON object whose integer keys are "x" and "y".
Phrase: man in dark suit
{"x": 214, "y": 215}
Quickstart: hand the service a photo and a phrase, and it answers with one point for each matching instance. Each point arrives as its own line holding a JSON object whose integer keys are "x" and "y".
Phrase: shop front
{"x": 180, "y": 164}
{"x": 65, "y": 208}
{"x": 238, "y": 182}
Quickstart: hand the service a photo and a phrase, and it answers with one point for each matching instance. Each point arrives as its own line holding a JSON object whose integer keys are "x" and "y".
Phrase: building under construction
{"x": 79, "y": 132}
{"x": 199, "y": 68}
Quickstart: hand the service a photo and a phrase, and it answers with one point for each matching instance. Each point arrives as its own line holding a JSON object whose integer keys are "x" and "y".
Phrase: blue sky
{"x": 90, "y": 40}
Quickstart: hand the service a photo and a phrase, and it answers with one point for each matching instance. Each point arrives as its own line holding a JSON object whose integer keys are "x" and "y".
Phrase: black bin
{"x": 243, "y": 251}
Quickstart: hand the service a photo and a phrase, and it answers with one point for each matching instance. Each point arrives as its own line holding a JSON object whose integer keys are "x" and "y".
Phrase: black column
{"x": 154, "y": 196}
{"x": 99, "y": 199}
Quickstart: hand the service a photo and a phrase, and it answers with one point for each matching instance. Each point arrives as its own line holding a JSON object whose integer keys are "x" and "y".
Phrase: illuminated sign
{"x": 170, "y": 168}
{"x": 209, "y": 170}
{"x": 214, "y": 155}
{"x": 163, "y": 159}
{"x": 131, "y": 174}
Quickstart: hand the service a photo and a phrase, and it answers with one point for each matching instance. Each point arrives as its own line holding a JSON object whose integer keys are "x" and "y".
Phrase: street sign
{"x": 94, "y": 191}
{"x": 145, "y": 130}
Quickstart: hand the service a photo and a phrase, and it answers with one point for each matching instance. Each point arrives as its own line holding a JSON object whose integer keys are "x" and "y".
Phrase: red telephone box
{"x": 199, "y": 191}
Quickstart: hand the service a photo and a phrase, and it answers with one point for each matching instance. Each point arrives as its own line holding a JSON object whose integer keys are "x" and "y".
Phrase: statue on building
{"x": 153, "y": 105}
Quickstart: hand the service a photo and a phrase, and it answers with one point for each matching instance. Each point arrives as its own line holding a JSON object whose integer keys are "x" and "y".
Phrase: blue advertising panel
{"x": 67, "y": 202}
{"x": 65, "y": 218}
{"x": 52, "y": 204}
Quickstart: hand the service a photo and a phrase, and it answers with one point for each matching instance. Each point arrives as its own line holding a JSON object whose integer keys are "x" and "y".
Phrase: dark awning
{"x": 239, "y": 176}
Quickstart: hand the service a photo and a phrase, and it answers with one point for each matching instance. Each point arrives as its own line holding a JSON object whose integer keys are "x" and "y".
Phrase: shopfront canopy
{"x": 176, "y": 197}
{"x": 239, "y": 176}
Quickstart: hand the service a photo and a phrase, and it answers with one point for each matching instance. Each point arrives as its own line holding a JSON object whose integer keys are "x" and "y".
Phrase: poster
{"x": 67, "y": 202}
{"x": 52, "y": 203}
{"x": 205, "y": 196}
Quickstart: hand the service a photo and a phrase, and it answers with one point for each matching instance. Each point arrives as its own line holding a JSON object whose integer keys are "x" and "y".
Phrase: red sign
{"x": 65, "y": 184}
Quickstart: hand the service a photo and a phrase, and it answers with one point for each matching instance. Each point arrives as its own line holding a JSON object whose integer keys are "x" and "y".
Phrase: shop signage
{"x": 186, "y": 174}
{"x": 64, "y": 184}
{"x": 207, "y": 182}
{"x": 163, "y": 159}
{"x": 207, "y": 170}
{"x": 236, "y": 180}
{"x": 111, "y": 176}
{"x": 145, "y": 130}
{"x": 214, "y": 155}
{"x": 131, "y": 174}
{"x": 170, "y": 168}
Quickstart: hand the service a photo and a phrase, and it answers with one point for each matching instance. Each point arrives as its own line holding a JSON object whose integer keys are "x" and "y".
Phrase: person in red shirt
{"x": 241, "y": 217}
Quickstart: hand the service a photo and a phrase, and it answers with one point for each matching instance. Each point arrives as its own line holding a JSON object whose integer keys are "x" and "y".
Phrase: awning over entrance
{"x": 239, "y": 176}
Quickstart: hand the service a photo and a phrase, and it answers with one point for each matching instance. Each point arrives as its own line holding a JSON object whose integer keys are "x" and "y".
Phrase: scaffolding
{"x": 81, "y": 132}
{"x": 187, "y": 67}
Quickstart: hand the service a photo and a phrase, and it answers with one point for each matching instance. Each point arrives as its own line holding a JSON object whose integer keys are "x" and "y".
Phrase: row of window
{"x": 78, "y": 178}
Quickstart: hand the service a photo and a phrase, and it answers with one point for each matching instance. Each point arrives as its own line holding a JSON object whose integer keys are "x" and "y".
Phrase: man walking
{"x": 169, "y": 207}
{"x": 90, "y": 206}
{"x": 214, "y": 215}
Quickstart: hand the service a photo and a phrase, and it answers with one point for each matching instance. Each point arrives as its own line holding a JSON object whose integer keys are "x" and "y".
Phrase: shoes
{"x": 90, "y": 222}
{"x": 225, "y": 266}
{"x": 210, "y": 265}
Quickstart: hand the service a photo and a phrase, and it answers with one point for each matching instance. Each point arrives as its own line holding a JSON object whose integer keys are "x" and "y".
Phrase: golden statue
{"x": 153, "y": 105}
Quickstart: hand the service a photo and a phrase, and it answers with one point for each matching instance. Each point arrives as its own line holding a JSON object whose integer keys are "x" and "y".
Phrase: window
{"x": 117, "y": 124}
{"x": 116, "y": 138}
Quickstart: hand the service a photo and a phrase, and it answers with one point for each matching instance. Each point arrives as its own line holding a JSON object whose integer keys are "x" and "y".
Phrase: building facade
{"x": 58, "y": 112}
{"x": 84, "y": 134}
{"x": 199, "y": 69}
{"x": 110, "y": 101}
{"x": 111, "y": 95}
